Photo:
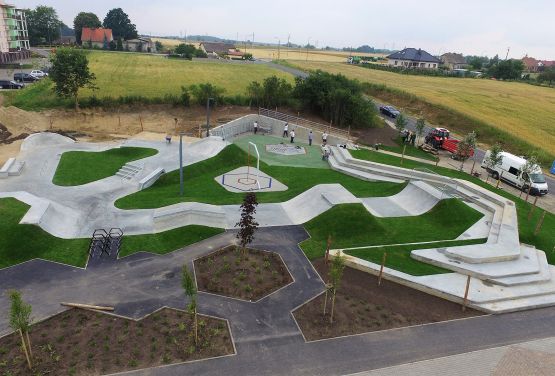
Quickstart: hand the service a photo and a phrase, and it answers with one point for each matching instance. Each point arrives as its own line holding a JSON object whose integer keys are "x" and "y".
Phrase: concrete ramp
{"x": 417, "y": 198}
{"x": 43, "y": 139}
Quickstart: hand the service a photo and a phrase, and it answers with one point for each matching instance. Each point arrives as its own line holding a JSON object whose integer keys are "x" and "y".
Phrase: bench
{"x": 151, "y": 178}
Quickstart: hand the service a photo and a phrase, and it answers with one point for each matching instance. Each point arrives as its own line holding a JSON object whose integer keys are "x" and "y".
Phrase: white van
{"x": 510, "y": 170}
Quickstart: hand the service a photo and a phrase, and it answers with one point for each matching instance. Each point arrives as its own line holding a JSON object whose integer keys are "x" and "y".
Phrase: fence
{"x": 234, "y": 128}
{"x": 341, "y": 133}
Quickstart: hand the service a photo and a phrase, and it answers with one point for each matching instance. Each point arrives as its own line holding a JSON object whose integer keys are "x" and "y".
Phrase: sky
{"x": 471, "y": 27}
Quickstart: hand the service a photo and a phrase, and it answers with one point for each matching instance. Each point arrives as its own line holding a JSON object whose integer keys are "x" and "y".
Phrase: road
{"x": 411, "y": 125}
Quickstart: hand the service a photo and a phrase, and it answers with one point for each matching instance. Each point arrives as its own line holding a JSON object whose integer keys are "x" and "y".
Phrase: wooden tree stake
{"x": 25, "y": 349}
{"x": 403, "y": 155}
{"x": 87, "y": 306}
{"x": 141, "y": 121}
{"x": 540, "y": 223}
{"x": 381, "y": 268}
{"x": 328, "y": 250}
{"x": 465, "y": 300}
{"x": 532, "y": 208}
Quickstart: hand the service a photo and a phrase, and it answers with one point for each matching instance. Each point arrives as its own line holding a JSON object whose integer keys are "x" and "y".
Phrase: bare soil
{"x": 249, "y": 276}
{"x": 81, "y": 342}
{"x": 371, "y": 136}
{"x": 361, "y": 306}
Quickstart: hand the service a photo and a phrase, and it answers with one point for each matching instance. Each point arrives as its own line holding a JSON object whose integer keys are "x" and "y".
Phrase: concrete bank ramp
{"x": 417, "y": 198}
{"x": 42, "y": 139}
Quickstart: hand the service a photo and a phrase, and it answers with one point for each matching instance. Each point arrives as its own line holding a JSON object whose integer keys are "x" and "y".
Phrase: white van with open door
{"x": 510, "y": 170}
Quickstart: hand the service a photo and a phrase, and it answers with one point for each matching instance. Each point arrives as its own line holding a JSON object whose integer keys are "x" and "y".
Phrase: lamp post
{"x": 181, "y": 163}
{"x": 208, "y": 116}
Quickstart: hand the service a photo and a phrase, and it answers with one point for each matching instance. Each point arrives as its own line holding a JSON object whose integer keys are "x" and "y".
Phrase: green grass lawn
{"x": 134, "y": 74}
{"x": 545, "y": 240}
{"x": 200, "y": 185}
{"x": 19, "y": 243}
{"x": 409, "y": 150}
{"x": 82, "y": 167}
{"x": 167, "y": 241}
{"x": 398, "y": 256}
{"x": 351, "y": 225}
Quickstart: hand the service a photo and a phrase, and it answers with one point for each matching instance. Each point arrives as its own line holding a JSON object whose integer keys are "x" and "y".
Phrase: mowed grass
{"x": 200, "y": 185}
{"x": 351, "y": 225}
{"x": 301, "y": 54}
{"x": 82, "y": 167}
{"x": 525, "y": 111}
{"x": 148, "y": 76}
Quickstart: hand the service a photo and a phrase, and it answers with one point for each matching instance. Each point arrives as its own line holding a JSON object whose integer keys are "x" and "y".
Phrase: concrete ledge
{"x": 151, "y": 178}
{"x": 5, "y": 170}
{"x": 190, "y": 213}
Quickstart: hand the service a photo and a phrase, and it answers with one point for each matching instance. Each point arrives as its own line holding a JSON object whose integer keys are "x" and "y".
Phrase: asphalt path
{"x": 411, "y": 123}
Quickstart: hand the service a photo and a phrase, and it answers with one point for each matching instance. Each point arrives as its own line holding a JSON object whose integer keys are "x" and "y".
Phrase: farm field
{"x": 132, "y": 74}
{"x": 168, "y": 42}
{"x": 300, "y": 54}
{"x": 522, "y": 110}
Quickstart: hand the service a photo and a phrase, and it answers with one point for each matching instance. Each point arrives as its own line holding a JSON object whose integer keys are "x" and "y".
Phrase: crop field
{"x": 168, "y": 42}
{"x": 149, "y": 76}
{"x": 300, "y": 54}
{"x": 525, "y": 111}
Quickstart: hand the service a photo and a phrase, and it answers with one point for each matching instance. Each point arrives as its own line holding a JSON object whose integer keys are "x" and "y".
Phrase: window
{"x": 513, "y": 171}
{"x": 396, "y": 62}
{"x": 434, "y": 65}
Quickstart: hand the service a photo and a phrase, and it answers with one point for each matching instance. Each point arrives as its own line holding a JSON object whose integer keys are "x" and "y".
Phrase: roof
{"x": 414, "y": 54}
{"x": 96, "y": 35}
{"x": 453, "y": 58}
{"x": 219, "y": 48}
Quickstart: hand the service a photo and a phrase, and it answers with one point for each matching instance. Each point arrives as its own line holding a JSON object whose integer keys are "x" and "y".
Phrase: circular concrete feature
{"x": 286, "y": 149}
{"x": 44, "y": 139}
{"x": 249, "y": 179}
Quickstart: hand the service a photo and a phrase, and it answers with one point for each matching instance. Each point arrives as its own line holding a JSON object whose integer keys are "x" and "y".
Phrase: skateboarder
{"x": 285, "y": 130}
{"x": 310, "y": 137}
{"x": 292, "y": 136}
{"x": 324, "y": 138}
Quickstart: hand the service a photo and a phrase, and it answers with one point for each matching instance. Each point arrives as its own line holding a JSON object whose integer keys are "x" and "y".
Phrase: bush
{"x": 202, "y": 92}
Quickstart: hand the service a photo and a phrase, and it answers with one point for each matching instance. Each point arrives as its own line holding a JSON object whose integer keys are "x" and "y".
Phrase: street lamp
{"x": 208, "y": 116}
{"x": 181, "y": 134}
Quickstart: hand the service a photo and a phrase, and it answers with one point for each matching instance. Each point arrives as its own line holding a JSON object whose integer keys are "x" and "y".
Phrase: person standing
{"x": 324, "y": 138}
{"x": 310, "y": 137}
{"x": 285, "y": 130}
{"x": 292, "y": 136}
{"x": 255, "y": 127}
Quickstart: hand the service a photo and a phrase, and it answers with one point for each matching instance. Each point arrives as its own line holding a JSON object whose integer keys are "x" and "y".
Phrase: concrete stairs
{"x": 129, "y": 170}
{"x": 505, "y": 275}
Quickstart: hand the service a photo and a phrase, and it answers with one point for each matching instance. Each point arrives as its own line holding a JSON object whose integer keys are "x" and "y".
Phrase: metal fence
{"x": 342, "y": 133}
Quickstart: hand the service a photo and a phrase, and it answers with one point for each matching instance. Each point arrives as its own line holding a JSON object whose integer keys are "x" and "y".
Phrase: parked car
{"x": 390, "y": 111}
{"x": 7, "y": 84}
{"x": 38, "y": 73}
{"x": 24, "y": 77}
{"x": 510, "y": 170}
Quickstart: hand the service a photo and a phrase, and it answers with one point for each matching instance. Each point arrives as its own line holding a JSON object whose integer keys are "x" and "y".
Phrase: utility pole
{"x": 307, "y": 44}
{"x": 507, "y": 55}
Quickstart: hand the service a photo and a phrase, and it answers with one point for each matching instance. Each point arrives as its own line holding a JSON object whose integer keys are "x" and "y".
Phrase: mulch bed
{"x": 248, "y": 276}
{"x": 81, "y": 342}
{"x": 371, "y": 136}
{"x": 361, "y": 306}
{"x": 5, "y": 135}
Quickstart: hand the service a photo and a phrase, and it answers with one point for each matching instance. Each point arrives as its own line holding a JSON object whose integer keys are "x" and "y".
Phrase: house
{"x": 533, "y": 65}
{"x": 96, "y": 38}
{"x": 14, "y": 36}
{"x": 140, "y": 44}
{"x": 413, "y": 58}
{"x": 453, "y": 61}
{"x": 216, "y": 49}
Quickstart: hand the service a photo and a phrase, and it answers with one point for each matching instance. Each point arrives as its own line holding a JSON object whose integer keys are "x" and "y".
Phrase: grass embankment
{"x": 517, "y": 114}
{"x": 82, "y": 167}
{"x": 545, "y": 240}
{"x": 351, "y": 225}
{"x": 301, "y": 54}
{"x": 146, "y": 76}
{"x": 200, "y": 185}
{"x": 20, "y": 242}
{"x": 410, "y": 150}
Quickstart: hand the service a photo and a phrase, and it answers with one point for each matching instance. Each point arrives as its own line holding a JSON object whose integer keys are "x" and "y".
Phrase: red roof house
{"x": 97, "y": 37}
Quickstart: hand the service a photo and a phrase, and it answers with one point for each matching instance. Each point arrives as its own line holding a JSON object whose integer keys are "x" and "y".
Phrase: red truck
{"x": 439, "y": 139}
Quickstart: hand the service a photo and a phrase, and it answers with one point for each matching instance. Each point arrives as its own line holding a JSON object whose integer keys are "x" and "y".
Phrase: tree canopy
{"x": 84, "y": 19}
{"x": 547, "y": 75}
{"x": 121, "y": 25}
{"x": 506, "y": 69}
{"x": 43, "y": 25}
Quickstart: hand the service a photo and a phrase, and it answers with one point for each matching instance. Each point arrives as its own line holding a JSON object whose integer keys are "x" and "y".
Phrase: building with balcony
{"x": 14, "y": 36}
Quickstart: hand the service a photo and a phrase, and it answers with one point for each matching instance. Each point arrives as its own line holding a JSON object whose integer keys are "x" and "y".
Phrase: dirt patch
{"x": 371, "y": 136}
{"x": 79, "y": 342}
{"x": 249, "y": 276}
{"x": 361, "y": 306}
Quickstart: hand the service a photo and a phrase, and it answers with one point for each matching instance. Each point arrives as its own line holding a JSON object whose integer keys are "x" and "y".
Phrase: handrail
{"x": 304, "y": 122}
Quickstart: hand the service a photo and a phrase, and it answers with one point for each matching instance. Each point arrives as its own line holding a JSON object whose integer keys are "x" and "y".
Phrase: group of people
{"x": 408, "y": 137}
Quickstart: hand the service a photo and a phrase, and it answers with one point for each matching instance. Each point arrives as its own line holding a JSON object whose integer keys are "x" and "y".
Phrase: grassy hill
{"x": 521, "y": 110}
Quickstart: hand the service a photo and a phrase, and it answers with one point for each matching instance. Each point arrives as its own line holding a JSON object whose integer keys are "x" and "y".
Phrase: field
{"x": 130, "y": 74}
{"x": 523, "y": 110}
{"x": 168, "y": 42}
{"x": 300, "y": 54}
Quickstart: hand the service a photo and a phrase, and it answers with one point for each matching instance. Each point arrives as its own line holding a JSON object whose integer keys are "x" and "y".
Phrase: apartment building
{"x": 14, "y": 37}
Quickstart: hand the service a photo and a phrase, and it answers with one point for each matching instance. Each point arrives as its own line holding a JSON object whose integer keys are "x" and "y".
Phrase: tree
{"x": 255, "y": 93}
{"x": 507, "y": 69}
{"x": 43, "y": 25}
{"x": 84, "y": 19}
{"x": 159, "y": 46}
{"x": 202, "y": 92}
{"x": 185, "y": 50}
{"x": 465, "y": 148}
{"x": 185, "y": 96}
{"x": 400, "y": 123}
{"x": 335, "y": 273}
{"x": 247, "y": 225}
{"x": 119, "y": 44}
{"x": 420, "y": 126}
{"x": 70, "y": 72}
{"x": 190, "y": 287}
{"x": 547, "y": 75}
{"x": 247, "y": 56}
{"x": 113, "y": 45}
{"x": 20, "y": 321}
{"x": 529, "y": 167}
{"x": 494, "y": 159}
{"x": 121, "y": 25}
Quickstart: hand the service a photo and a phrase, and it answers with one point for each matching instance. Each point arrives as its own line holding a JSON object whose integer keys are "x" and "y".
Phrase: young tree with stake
{"x": 20, "y": 321}
{"x": 335, "y": 273}
{"x": 247, "y": 225}
{"x": 420, "y": 125}
{"x": 494, "y": 159}
{"x": 465, "y": 148}
{"x": 190, "y": 287}
{"x": 527, "y": 169}
{"x": 400, "y": 123}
